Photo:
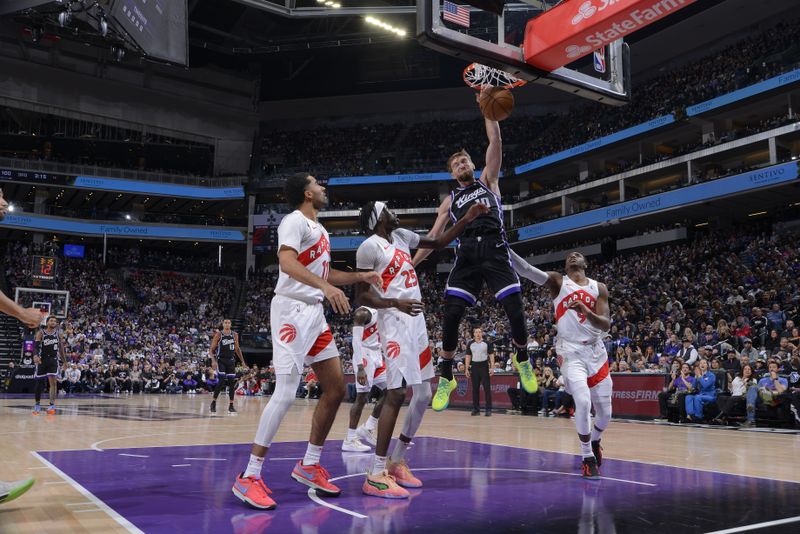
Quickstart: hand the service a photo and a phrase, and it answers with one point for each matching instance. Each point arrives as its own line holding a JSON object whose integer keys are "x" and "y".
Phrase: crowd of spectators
{"x": 422, "y": 147}
{"x": 143, "y": 320}
{"x": 732, "y": 295}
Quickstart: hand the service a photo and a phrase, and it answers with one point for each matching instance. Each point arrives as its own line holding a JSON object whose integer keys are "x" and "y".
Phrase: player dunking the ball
{"x": 223, "y": 352}
{"x": 404, "y": 336}
{"x": 370, "y": 370}
{"x": 482, "y": 255}
{"x": 581, "y": 310}
{"x": 50, "y": 343}
{"x": 301, "y": 336}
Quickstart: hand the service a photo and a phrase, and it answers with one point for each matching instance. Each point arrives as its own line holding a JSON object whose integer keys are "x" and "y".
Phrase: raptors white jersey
{"x": 393, "y": 262}
{"x": 572, "y": 326}
{"x": 371, "y": 340}
{"x": 310, "y": 240}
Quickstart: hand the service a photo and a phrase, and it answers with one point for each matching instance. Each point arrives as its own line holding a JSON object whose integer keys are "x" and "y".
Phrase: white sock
{"x": 379, "y": 465}
{"x": 586, "y": 449}
{"x": 399, "y": 451}
{"x": 371, "y": 423}
{"x": 254, "y": 466}
{"x": 351, "y": 434}
{"x": 313, "y": 453}
{"x": 596, "y": 434}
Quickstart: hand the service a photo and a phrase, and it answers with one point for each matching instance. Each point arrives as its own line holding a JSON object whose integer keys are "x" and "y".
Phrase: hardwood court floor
{"x": 140, "y": 421}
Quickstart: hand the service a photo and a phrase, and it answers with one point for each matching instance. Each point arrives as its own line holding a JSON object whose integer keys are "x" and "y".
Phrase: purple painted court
{"x": 469, "y": 487}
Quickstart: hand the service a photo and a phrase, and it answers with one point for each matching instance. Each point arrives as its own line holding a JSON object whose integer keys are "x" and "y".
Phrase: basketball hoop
{"x": 480, "y": 76}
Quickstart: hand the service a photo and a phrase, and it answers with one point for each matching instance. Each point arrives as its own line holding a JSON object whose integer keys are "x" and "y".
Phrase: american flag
{"x": 457, "y": 14}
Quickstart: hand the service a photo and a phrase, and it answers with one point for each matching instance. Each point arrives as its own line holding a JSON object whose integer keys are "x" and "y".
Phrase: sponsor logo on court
{"x": 393, "y": 349}
{"x": 288, "y": 333}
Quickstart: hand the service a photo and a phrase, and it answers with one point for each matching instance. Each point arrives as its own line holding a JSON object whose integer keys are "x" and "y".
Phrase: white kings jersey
{"x": 572, "y": 326}
{"x": 310, "y": 240}
{"x": 393, "y": 262}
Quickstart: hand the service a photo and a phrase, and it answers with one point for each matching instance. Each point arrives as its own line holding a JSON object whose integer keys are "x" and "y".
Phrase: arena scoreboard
{"x": 44, "y": 269}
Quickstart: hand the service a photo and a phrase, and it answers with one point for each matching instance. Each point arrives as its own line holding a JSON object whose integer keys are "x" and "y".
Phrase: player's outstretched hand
{"x": 337, "y": 298}
{"x": 371, "y": 277}
{"x": 31, "y": 317}
{"x": 413, "y": 307}
{"x": 476, "y": 210}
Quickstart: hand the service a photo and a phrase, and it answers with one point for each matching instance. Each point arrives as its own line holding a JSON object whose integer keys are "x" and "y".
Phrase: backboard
{"x": 496, "y": 41}
{"x": 51, "y": 301}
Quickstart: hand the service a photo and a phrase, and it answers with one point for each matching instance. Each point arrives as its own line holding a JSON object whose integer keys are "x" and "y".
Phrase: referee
{"x": 479, "y": 364}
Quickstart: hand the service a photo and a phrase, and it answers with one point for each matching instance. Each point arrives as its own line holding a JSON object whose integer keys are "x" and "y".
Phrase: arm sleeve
{"x": 366, "y": 257}
{"x": 290, "y": 233}
{"x": 526, "y": 270}
{"x": 411, "y": 238}
{"x": 692, "y": 357}
{"x": 358, "y": 340}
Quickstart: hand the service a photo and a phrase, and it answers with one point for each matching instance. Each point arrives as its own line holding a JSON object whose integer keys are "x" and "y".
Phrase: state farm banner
{"x": 575, "y": 28}
{"x": 636, "y": 394}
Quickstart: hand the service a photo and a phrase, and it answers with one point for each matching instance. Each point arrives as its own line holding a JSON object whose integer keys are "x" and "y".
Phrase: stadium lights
{"x": 127, "y": 217}
{"x": 11, "y": 208}
{"x": 385, "y": 26}
{"x": 754, "y": 214}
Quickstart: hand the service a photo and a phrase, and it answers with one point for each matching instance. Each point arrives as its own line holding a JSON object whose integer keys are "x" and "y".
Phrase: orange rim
{"x": 480, "y": 76}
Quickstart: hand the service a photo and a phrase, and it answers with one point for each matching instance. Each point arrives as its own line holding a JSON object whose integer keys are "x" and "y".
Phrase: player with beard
{"x": 482, "y": 256}
{"x": 301, "y": 336}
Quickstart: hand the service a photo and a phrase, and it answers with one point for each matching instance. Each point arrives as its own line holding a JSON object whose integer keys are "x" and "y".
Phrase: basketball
{"x": 496, "y": 103}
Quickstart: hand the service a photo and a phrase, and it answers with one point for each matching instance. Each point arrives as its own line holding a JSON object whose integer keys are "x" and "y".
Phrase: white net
{"x": 480, "y": 76}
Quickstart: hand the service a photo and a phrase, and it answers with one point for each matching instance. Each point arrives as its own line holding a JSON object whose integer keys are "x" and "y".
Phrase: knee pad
{"x": 515, "y": 310}
{"x": 454, "y": 309}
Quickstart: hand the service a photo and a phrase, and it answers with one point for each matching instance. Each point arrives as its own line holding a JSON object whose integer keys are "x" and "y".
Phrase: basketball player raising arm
{"x": 582, "y": 315}
{"x": 404, "y": 336}
{"x": 30, "y": 317}
{"x": 482, "y": 257}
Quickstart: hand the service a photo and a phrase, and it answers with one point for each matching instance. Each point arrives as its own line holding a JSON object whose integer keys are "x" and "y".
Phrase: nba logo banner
{"x": 600, "y": 60}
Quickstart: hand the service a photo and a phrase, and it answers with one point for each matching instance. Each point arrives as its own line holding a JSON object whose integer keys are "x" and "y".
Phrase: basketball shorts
{"x": 48, "y": 367}
{"x": 585, "y": 366}
{"x": 405, "y": 346}
{"x": 226, "y": 367}
{"x": 300, "y": 335}
{"x": 479, "y": 260}
{"x": 376, "y": 373}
